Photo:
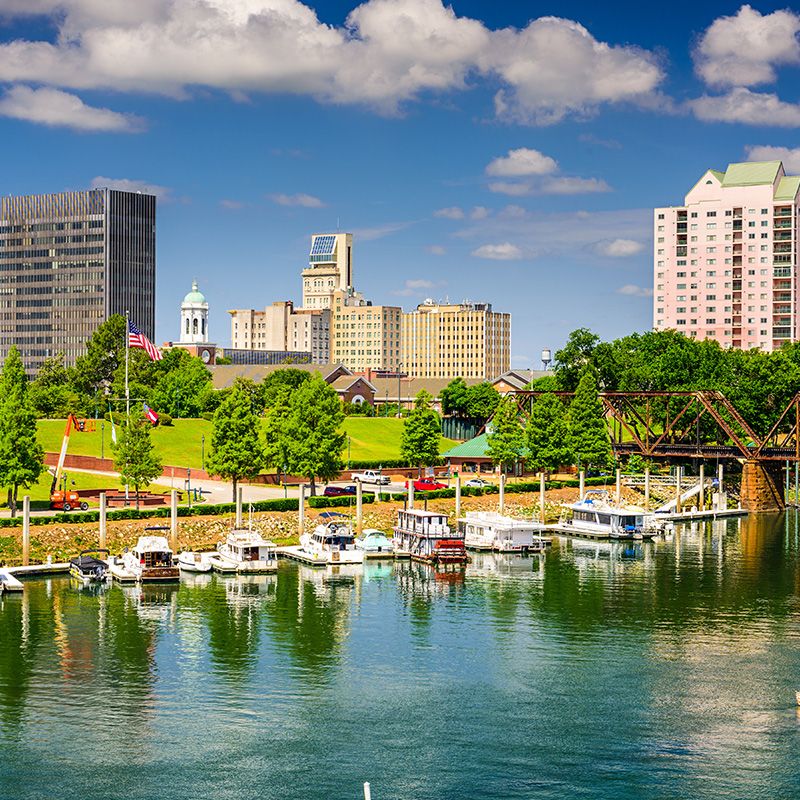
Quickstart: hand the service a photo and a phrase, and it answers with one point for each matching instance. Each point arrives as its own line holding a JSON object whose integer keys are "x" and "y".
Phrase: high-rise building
{"x": 363, "y": 335}
{"x": 330, "y": 269}
{"x": 725, "y": 263}
{"x": 467, "y": 340}
{"x": 70, "y": 261}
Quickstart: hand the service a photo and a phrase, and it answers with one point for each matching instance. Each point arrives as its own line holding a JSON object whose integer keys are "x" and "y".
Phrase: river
{"x": 664, "y": 670}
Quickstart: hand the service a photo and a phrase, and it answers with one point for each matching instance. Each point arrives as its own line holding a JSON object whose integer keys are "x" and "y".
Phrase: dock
{"x": 599, "y": 536}
{"x": 296, "y": 553}
{"x": 57, "y": 568}
{"x": 119, "y": 573}
{"x": 689, "y": 516}
{"x": 8, "y": 583}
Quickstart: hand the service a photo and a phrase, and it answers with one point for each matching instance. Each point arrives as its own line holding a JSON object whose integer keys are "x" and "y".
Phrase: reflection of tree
{"x": 420, "y": 585}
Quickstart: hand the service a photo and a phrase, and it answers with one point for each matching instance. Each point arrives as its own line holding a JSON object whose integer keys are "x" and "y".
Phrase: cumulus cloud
{"x": 436, "y": 250}
{"x": 590, "y": 138}
{"x": 744, "y": 49}
{"x": 750, "y": 108}
{"x": 454, "y": 212}
{"x": 388, "y": 52}
{"x": 163, "y": 193}
{"x": 634, "y": 291}
{"x": 416, "y": 287}
{"x": 522, "y": 162}
{"x": 298, "y": 199}
{"x": 480, "y": 212}
{"x": 789, "y": 156}
{"x": 567, "y": 185}
{"x": 232, "y": 205}
{"x": 58, "y": 109}
{"x": 617, "y": 248}
{"x": 499, "y": 252}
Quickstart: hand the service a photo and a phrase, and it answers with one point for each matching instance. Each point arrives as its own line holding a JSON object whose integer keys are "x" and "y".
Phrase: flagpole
{"x": 127, "y": 390}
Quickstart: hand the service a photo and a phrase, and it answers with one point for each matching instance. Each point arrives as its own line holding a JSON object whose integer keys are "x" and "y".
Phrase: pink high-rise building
{"x": 726, "y": 261}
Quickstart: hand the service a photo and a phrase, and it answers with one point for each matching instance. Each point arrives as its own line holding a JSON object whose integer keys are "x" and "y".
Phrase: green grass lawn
{"x": 378, "y": 437}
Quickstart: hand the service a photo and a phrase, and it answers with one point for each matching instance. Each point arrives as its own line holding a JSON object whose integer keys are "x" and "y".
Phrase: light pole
{"x": 178, "y": 402}
{"x": 102, "y": 436}
{"x": 203, "y": 451}
{"x": 386, "y": 405}
{"x": 348, "y": 452}
{"x": 399, "y": 413}
{"x": 189, "y": 485}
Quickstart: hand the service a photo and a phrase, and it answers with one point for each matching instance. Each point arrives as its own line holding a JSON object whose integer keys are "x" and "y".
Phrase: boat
{"x": 86, "y": 567}
{"x": 596, "y": 517}
{"x": 150, "y": 559}
{"x": 248, "y": 551}
{"x": 189, "y": 561}
{"x": 332, "y": 541}
{"x": 220, "y": 564}
{"x": 426, "y": 536}
{"x": 375, "y": 544}
{"x": 489, "y": 530}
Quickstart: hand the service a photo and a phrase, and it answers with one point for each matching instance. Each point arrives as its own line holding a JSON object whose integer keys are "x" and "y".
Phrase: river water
{"x": 665, "y": 670}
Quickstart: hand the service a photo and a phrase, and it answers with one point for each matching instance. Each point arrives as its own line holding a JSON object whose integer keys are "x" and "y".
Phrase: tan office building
{"x": 467, "y": 340}
{"x": 362, "y": 335}
{"x": 330, "y": 269}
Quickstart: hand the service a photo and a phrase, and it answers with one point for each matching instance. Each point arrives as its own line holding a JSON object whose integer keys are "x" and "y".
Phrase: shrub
{"x": 340, "y": 502}
{"x": 164, "y": 419}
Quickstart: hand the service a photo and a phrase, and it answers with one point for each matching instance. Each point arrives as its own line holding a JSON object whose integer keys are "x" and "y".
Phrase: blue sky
{"x": 508, "y": 153}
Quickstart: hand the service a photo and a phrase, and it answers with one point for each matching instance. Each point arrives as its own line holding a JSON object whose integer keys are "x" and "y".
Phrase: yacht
{"x": 247, "y": 551}
{"x": 489, "y": 530}
{"x": 332, "y": 541}
{"x": 596, "y": 517}
{"x": 426, "y": 536}
{"x": 150, "y": 559}
{"x": 194, "y": 562}
{"x": 88, "y": 567}
{"x": 375, "y": 544}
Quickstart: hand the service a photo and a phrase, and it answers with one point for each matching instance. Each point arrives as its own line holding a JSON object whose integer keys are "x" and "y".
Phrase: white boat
{"x": 489, "y": 530}
{"x": 189, "y": 561}
{"x": 88, "y": 567}
{"x": 596, "y": 517}
{"x": 220, "y": 564}
{"x": 332, "y": 541}
{"x": 150, "y": 559}
{"x": 375, "y": 544}
{"x": 426, "y": 536}
{"x": 248, "y": 551}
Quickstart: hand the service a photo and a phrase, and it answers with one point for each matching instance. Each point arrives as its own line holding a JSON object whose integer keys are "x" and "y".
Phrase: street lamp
{"x": 348, "y": 452}
{"x": 203, "y": 451}
{"x": 178, "y": 402}
{"x": 386, "y": 405}
{"x": 399, "y": 413}
{"x": 189, "y": 485}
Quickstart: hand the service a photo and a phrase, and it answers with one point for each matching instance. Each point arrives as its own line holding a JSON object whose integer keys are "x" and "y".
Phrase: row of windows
{"x": 39, "y": 227}
{"x": 57, "y": 253}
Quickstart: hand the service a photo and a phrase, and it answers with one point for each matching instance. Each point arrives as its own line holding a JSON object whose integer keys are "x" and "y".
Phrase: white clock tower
{"x": 194, "y": 327}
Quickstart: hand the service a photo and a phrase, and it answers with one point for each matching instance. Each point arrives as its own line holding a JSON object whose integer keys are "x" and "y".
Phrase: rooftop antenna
{"x": 337, "y": 224}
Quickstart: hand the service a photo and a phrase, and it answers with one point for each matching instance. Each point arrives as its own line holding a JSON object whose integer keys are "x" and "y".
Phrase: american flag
{"x": 137, "y": 339}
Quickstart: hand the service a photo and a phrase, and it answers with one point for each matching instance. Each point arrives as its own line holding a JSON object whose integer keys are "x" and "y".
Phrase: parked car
{"x": 426, "y": 485}
{"x": 339, "y": 491}
{"x": 477, "y": 483}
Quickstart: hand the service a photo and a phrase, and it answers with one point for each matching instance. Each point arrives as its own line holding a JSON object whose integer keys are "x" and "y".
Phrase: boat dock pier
{"x": 568, "y": 530}
{"x": 296, "y": 553}
{"x": 692, "y": 514}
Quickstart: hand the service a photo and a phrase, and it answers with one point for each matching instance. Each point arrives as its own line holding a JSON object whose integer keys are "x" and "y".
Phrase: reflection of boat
{"x": 194, "y": 562}
{"x": 595, "y": 516}
{"x": 248, "y": 551}
{"x": 488, "y": 530}
{"x": 375, "y": 544}
{"x": 333, "y": 541}
{"x": 521, "y": 567}
{"x": 426, "y": 536}
{"x": 151, "y": 559}
{"x": 155, "y": 602}
{"x": 88, "y": 568}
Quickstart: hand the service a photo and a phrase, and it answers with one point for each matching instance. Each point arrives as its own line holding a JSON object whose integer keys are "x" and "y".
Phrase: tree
{"x": 548, "y": 434}
{"x": 312, "y": 435}
{"x": 21, "y": 455}
{"x": 482, "y": 400}
{"x": 422, "y": 433}
{"x": 134, "y": 458}
{"x": 105, "y": 351}
{"x": 274, "y": 385}
{"x": 454, "y": 398}
{"x": 50, "y": 394}
{"x": 182, "y": 382}
{"x": 505, "y": 438}
{"x": 236, "y": 450}
{"x": 588, "y": 433}
{"x": 276, "y": 417}
{"x": 571, "y": 359}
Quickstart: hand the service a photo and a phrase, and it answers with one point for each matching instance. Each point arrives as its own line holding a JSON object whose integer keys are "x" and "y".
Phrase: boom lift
{"x": 66, "y": 500}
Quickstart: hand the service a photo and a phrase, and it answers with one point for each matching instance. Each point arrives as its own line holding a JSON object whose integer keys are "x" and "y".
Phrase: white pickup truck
{"x": 371, "y": 476}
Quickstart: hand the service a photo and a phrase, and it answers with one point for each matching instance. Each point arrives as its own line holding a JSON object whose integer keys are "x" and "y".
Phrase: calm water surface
{"x": 664, "y": 671}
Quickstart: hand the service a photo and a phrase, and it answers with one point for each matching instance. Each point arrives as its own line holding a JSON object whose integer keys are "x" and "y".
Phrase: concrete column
{"x": 239, "y": 506}
{"x": 619, "y": 486}
{"x": 720, "y": 474}
{"x": 26, "y": 531}
{"x": 647, "y": 488}
{"x": 583, "y": 483}
{"x": 301, "y": 508}
{"x": 678, "y": 489}
{"x": 411, "y": 493}
{"x": 458, "y": 495}
{"x": 359, "y": 507}
{"x": 103, "y": 536}
{"x": 761, "y": 486}
{"x": 786, "y": 484}
{"x": 502, "y": 491}
{"x": 702, "y": 505}
{"x": 541, "y": 497}
{"x": 173, "y": 520}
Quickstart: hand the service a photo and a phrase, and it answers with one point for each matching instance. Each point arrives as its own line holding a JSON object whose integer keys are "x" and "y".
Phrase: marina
{"x": 489, "y": 530}
{"x": 595, "y": 516}
{"x": 425, "y": 536}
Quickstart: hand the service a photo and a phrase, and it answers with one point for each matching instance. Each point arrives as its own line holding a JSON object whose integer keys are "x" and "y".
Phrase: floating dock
{"x": 600, "y": 536}
{"x": 689, "y": 516}
{"x": 38, "y": 569}
{"x": 119, "y": 573}
{"x": 296, "y": 553}
{"x": 8, "y": 583}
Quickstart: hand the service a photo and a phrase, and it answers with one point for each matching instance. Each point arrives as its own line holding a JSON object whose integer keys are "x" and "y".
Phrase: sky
{"x": 508, "y": 153}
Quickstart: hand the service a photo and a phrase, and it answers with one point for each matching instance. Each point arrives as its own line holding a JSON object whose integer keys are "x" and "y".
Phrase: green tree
{"x": 422, "y": 432}
{"x": 105, "y": 351}
{"x": 278, "y": 382}
{"x": 236, "y": 450}
{"x": 548, "y": 434}
{"x": 454, "y": 398}
{"x": 571, "y": 359}
{"x": 50, "y": 394}
{"x": 588, "y": 433}
{"x": 276, "y": 417}
{"x": 21, "y": 455}
{"x": 134, "y": 457}
{"x": 314, "y": 441}
{"x": 505, "y": 438}
{"x": 482, "y": 400}
{"x": 182, "y": 382}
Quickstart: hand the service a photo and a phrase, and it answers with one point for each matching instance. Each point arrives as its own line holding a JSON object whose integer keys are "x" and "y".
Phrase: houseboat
{"x": 150, "y": 559}
{"x": 332, "y": 541}
{"x": 248, "y": 552}
{"x": 89, "y": 567}
{"x": 489, "y": 530}
{"x": 426, "y": 536}
{"x": 596, "y": 517}
{"x": 375, "y": 544}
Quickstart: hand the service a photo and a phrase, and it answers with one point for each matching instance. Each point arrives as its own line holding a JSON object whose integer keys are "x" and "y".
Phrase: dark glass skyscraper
{"x": 68, "y": 262}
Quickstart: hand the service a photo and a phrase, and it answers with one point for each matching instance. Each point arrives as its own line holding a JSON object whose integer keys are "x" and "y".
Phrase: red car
{"x": 426, "y": 485}
{"x": 339, "y": 491}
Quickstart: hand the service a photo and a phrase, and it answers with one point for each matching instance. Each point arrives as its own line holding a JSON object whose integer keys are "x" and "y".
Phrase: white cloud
{"x": 58, "y": 109}
{"x": 416, "y": 287}
{"x": 566, "y": 185}
{"x": 790, "y": 157}
{"x": 436, "y": 250}
{"x": 298, "y": 199}
{"x": 634, "y": 291}
{"x": 454, "y": 212}
{"x": 379, "y": 231}
{"x": 590, "y": 138}
{"x": 480, "y": 212}
{"x": 232, "y": 205}
{"x": 744, "y": 49}
{"x": 617, "y": 248}
{"x": 522, "y": 162}
{"x": 163, "y": 193}
{"x": 749, "y": 108}
{"x": 499, "y": 252}
{"x": 511, "y": 189}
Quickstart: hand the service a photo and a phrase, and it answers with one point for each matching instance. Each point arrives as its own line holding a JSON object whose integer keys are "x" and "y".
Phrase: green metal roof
{"x": 720, "y": 176}
{"x": 787, "y": 189}
{"x": 754, "y": 173}
{"x": 474, "y": 448}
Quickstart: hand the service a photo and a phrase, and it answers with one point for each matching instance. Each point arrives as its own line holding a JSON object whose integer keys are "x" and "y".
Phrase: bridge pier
{"x": 762, "y": 486}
